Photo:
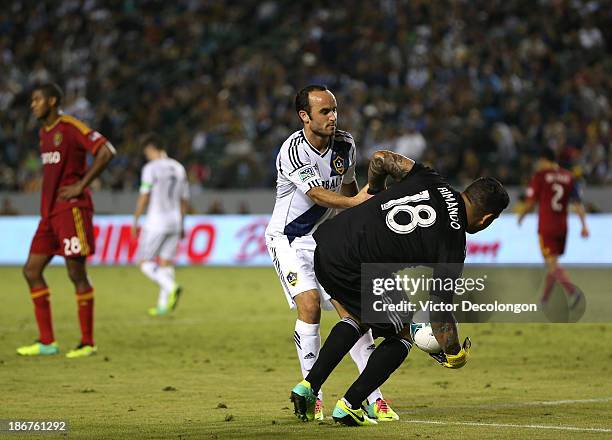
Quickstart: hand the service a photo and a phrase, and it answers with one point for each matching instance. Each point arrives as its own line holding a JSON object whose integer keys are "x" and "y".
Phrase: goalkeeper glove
{"x": 454, "y": 360}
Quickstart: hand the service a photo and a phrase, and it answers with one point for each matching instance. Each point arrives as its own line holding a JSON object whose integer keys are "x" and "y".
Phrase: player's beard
{"x": 45, "y": 115}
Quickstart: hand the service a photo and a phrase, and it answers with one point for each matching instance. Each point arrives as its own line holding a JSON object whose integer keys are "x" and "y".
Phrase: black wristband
{"x": 373, "y": 192}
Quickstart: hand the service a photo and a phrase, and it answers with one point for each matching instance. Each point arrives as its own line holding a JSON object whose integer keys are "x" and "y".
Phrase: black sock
{"x": 383, "y": 361}
{"x": 339, "y": 342}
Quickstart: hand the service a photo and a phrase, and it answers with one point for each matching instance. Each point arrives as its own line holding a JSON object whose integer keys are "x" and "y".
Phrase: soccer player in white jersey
{"x": 164, "y": 188}
{"x": 316, "y": 174}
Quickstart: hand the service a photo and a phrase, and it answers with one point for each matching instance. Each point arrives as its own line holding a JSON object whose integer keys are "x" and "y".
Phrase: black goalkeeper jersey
{"x": 420, "y": 220}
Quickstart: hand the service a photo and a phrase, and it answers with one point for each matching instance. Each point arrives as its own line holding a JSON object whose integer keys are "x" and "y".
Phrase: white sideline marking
{"x": 509, "y": 425}
{"x": 494, "y": 406}
{"x": 568, "y": 402}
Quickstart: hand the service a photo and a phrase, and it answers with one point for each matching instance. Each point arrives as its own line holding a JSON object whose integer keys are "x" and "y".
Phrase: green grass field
{"x": 223, "y": 366}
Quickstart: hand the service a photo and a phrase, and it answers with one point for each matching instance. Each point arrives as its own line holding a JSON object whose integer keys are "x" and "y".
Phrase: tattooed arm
{"x": 444, "y": 329}
{"x": 386, "y": 163}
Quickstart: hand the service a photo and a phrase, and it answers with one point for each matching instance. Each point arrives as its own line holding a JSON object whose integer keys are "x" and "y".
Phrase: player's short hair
{"x": 488, "y": 196}
{"x": 302, "y": 99}
{"x": 151, "y": 139}
{"x": 548, "y": 154}
{"x": 50, "y": 90}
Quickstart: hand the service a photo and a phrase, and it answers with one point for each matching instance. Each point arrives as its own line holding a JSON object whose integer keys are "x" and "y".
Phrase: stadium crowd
{"x": 471, "y": 87}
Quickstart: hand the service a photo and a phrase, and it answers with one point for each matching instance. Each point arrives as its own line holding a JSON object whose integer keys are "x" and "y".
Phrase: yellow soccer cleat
{"x": 82, "y": 351}
{"x": 157, "y": 311}
{"x": 381, "y": 411}
{"x": 304, "y": 401}
{"x": 351, "y": 417}
{"x": 38, "y": 349}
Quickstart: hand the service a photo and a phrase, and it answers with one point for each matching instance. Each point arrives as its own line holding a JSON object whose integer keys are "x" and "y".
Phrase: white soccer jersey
{"x": 166, "y": 181}
{"x": 300, "y": 168}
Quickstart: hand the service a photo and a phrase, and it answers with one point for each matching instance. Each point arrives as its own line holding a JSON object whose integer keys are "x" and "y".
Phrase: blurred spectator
{"x": 215, "y": 207}
{"x": 8, "y": 208}
{"x": 410, "y": 143}
{"x": 243, "y": 208}
{"x": 459, "y": 83}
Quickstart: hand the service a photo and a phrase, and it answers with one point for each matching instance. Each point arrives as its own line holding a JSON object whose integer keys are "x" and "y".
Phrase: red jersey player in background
{"x": 553, "y": 188}
{"x": 66, "y": 211}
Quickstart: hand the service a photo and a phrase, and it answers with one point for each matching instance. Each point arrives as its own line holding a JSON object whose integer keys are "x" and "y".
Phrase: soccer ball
{"x": 423, "y": 337}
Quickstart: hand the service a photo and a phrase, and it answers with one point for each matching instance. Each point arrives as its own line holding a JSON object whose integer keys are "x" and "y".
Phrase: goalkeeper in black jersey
{"x": 420, "y": 220}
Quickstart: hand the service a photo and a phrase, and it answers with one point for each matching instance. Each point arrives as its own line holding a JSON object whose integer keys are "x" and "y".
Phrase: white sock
{"x": 149, "y": 268}
{"x": 360, "y": 353}
{"x": 307, "y": 343}
{"x": 165, "y": 277}
{"x": 162, "y": 299}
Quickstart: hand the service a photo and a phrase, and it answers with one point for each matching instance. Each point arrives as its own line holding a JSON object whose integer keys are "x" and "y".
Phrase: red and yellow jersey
{"x": 552, "y": 189}
{"x": 63, "y": 151}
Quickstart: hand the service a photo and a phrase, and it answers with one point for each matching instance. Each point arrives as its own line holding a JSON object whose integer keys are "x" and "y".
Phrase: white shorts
{"x": 294, "y": 264}
{"x": 153, "y": 244}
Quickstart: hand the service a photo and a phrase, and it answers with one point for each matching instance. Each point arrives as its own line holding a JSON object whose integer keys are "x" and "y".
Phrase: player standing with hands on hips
{"x": 66, "y": 226}
{"x": 164, "y": 188}
{"x": 316, "y": 174}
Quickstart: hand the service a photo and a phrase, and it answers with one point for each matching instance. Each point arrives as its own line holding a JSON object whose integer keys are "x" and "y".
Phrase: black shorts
{"x": 346, "y": 288}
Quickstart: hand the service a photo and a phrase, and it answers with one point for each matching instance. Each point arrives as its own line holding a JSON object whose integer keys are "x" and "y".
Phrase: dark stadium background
{"x": 470, "y": 87}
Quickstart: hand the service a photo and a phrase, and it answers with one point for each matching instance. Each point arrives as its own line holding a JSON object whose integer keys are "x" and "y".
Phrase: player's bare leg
{"x": 77, "y": 272}
{"x": 308, "y": 306}
{"x": 39, "y": 292}
{"x": 34, "y": 268}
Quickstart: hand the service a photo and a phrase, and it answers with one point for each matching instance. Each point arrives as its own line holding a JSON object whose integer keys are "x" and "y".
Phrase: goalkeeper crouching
{"x": 420, "y": 220}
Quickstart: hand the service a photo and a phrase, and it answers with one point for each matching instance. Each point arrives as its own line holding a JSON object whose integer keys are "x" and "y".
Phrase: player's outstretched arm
{"x": 385, "y": 163}
{"x": 103, "y": 156}
{"x": 329, "y": 199}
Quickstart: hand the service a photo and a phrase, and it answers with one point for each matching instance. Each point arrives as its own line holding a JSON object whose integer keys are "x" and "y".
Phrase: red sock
{"x": 42, "y": 311}
{"x": 548, "y": 285}
{"x": 564, "y": 280}
{"x": 85, "y": 300}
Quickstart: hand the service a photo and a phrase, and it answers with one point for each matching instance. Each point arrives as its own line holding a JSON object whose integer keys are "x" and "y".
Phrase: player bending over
{"x": 420, "y": 219}
{"x": 66, "y": 211}
{"x": 553, "y": 188}
{"x": 316, "y": 174}
{"x": 164, "y": 188}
